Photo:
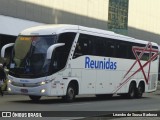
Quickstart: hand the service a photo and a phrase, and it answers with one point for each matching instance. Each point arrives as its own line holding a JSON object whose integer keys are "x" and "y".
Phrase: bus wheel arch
{"x": 140, "y": 89}
{"x": 76, "y": 85}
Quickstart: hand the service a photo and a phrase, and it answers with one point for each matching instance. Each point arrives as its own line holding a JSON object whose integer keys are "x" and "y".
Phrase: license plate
{"x": 24, "y": 90}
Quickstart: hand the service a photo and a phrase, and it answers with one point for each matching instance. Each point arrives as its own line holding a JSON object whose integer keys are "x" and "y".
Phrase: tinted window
{"x": 99, "y": 46}
{"x": 107, "y": 47}
{"x": 60, "y": 55}
{"x": 110, "y": 48}
{"x": 84, "y": 46}
{"x": 68, "y": 39}
{"x": 121, "y": 50}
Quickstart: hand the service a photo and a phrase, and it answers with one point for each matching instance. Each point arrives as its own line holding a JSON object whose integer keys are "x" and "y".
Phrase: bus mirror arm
{"x": 4, "y": 49}
{"x": 52, "y": 48}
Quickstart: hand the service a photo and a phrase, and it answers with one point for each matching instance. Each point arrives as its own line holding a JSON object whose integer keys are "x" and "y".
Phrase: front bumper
{"x": 42, "y": 90}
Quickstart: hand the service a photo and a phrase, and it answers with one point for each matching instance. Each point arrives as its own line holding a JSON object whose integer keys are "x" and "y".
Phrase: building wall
{"x": 143, "y": 16}
{"x": 143, "y": 20}
{"x": 91, "y": 13}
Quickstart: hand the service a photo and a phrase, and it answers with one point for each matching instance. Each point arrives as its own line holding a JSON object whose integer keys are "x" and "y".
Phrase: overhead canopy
{"x": 13, "y": 26}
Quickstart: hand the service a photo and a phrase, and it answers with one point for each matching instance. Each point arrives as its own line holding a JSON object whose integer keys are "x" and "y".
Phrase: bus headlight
{"x": 9, "y": 81}
{"x": 42, "y": 83}
{"x": 45, "y": 82}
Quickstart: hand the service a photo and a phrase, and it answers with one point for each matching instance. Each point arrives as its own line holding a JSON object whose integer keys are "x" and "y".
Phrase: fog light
{"x": 43, "y": 90}
{"x": 9, "y": 89}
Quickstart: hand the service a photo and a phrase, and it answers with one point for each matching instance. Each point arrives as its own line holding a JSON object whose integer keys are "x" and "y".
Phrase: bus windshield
{"x": 29, "y": 56}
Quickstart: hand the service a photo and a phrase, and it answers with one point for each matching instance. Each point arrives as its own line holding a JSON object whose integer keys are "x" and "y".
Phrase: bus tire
{"x": 132, "y": 91}
{"x": 70, "y": 94}
{"x": 34, "y": 98}
{"x": 140, "y": 91}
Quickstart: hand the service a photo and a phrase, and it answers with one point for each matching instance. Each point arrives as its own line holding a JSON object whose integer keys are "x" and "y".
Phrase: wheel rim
{"x": 132, "y": 91}
{"x": 71, "y": 93}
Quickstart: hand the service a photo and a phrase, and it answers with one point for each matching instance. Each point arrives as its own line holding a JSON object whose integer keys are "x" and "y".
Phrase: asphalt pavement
{"x": 111, "y": 117}
{"x": 108, "y": 117}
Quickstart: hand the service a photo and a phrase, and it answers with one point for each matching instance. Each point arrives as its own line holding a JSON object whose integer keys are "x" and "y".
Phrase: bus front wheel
{"x": 34, "y": 98}
{"x": 70, "y": 94}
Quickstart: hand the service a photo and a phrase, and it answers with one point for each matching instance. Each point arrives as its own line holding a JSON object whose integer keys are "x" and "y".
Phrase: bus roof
{"x": 51, "y": 29}
{"x": 48, "y": 29}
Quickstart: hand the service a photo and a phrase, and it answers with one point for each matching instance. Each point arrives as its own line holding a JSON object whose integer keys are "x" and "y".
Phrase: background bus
{"x": 70, "y": 60}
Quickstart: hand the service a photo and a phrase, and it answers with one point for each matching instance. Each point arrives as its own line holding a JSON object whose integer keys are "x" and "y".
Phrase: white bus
{"x": 70, "y": 60}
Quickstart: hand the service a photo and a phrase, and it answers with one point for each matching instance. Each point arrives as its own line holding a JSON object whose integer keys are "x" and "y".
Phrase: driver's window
{"x": 60, "y": 54}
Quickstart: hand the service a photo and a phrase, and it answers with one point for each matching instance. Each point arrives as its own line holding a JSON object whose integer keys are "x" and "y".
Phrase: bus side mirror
{"x": 52, "y": 48}
{"x": 3, "y": 50}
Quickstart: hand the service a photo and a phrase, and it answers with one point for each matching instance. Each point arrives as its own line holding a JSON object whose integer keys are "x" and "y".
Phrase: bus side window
{"x": 130, "y": 52}
{"x": 110, "y": 48}
{"x": 99, "y": 47}
{"x": 78, "y": 51}
{"x": 121, "y": 50}
{"x": 82, "y": 47}
{"x": 60, "y": 54}
{"x": 154, "y": 47}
